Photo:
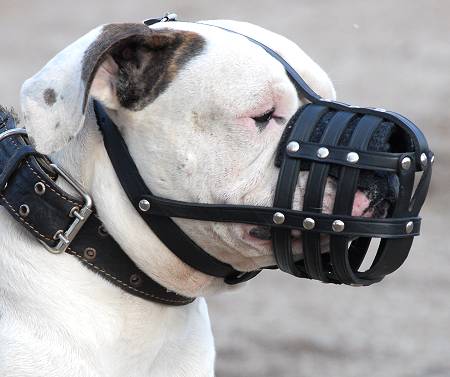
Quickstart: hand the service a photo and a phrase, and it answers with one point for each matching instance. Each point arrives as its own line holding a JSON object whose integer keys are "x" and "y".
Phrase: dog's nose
{"x": 381, "y": 189}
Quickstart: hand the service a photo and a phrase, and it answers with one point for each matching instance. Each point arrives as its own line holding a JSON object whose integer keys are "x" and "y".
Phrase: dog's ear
{"x": 122, "y": 65}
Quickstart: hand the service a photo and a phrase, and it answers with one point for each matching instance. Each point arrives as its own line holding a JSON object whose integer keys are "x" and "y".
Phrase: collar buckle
{"x": 169, "y": 17}
{"x": 65, "y": 237}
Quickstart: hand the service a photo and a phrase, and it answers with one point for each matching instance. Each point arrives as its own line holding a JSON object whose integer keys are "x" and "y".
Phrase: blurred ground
{"x": 393, "y": 54}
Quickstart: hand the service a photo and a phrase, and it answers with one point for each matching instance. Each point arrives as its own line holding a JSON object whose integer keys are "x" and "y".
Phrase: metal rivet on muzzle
{"x": 293, "y": 147}
{"x": 323, "y": 152}
{"x": 39, "y": 188}
{"x": 144, "y": 205}
{"x": 409, "y": 227}
{"x": 424, "y": 160}
{"x": 338, "y": 226}
{"x": 405, "y": 163}
{"x": 278, "y": 218}
{"x": 352, "y": 157}
{"x": 309, "y": 223}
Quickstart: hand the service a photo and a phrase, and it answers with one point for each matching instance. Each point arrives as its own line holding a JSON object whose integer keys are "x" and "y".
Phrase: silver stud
{"x": 278, "y": 218}
{"x": 293, "y": 147}
{"x": 423, "y": 160}
{"x": 323, "y": 152}
{"x": 309, "y": 223}
{"x": 352, "y": 157}
{"x": 432, "y": 159}
{"x": 409, "y": 227}
{"x": 24, "y": 210}
{"x": 338, "y": 226}
{"x": 39, "y": 188}
{"x": 406, "y": 163}
{"x": 144, "y": 205}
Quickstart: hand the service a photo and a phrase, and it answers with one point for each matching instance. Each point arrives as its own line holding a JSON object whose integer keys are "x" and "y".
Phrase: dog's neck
{"x": 126, "y": 334}
{"x": 120, "y": 218}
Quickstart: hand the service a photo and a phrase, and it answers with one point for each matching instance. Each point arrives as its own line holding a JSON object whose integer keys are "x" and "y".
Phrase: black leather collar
{"x": 34, "y": 200}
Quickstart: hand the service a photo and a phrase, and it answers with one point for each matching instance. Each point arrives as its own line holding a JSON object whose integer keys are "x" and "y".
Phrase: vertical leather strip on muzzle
{"x": 345, "y": 194}
{"x": 314, "y": 193}
{"x": 285, "y": 189}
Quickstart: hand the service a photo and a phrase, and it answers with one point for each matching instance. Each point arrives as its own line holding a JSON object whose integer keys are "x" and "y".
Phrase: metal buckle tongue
{"x": 167, "y": 18}
{"x": 65, "y": 238}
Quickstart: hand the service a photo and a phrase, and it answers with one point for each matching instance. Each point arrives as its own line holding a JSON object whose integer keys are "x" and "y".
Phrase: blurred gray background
{"x": 392, "y": 54}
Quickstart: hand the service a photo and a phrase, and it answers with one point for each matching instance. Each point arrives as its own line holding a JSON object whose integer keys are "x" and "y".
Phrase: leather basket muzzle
{"x": 349, "y": 236}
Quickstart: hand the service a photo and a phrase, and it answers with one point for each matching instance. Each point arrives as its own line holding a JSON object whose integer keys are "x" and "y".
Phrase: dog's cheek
{"x": 188, "y": 165}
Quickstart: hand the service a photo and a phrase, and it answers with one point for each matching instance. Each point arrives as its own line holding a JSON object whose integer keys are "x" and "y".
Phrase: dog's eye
{"x": 262, "y": 120}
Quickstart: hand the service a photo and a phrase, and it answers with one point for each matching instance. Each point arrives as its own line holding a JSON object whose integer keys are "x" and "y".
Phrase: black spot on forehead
{"x": 49, "y": 96}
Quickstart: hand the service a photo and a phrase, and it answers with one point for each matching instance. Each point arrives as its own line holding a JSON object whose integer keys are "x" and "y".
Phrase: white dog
{"x": 202, "y": 111}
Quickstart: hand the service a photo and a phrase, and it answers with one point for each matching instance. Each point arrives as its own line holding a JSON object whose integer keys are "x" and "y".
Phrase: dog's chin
{"x": 261, "y": 236}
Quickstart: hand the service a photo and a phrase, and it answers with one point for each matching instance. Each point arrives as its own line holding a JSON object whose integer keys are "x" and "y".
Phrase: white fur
{"x": 196, "y": 142}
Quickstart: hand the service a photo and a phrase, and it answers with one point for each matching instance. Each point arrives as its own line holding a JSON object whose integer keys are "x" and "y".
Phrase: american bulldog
{"x": 202, "y": 111}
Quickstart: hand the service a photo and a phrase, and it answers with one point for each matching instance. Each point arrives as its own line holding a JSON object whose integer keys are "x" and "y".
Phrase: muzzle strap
{"x": 345, "y": 194}
{"x": 314, "y": 192}
{"x": 286, "y": 185}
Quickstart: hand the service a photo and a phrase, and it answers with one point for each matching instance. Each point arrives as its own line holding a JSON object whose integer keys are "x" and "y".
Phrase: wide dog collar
{"x": 63, "y": 223}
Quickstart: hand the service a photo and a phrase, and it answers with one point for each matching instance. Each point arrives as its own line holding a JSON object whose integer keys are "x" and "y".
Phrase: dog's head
{"x": 202, "y": 111}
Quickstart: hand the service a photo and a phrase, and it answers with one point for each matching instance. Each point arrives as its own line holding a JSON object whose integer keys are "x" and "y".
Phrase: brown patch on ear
{"x": 97, "y": 51}
{"x": 148, "y": 60}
